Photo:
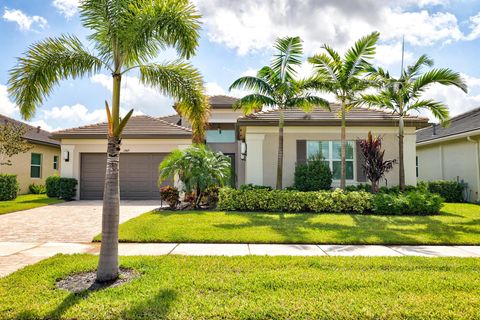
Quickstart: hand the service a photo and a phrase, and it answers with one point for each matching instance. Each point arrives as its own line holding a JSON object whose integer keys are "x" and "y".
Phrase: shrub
{"x": 409, "y": 203}
{"x": 67, "y": 188}
{"x": 170, "y": 195}
{"x": 210, "y": 197}
{"x": 37, "y": 188}
{"x": 451, "y": 191}
{"x": 252, "y": 186}
{"x": 314, "y": 175}
{"x": 8, "y": 186}
{"x": 51, "y": 184}
{"x": 359, "y": 187}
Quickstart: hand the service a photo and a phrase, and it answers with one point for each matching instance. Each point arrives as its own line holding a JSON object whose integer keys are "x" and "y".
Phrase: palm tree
{"x": 126, "y": 34}
{"x": 276, "y": 86}
{"x": 343, "y": 77}
{"x": 403, "y": 95}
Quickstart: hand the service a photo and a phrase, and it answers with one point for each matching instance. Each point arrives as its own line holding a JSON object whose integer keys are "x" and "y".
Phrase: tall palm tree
{"x": 276, "y": 86}
{"x": 344, "y": 77}
{"x": 404, "y": 94}
{"x": 125, "y": 35}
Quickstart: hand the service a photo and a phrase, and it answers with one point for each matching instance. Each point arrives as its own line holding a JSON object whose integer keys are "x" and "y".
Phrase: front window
{"x": 220, "y": 136}
{"x": 36, "y": 165}
{"x": 331, "y": 152}
{"x": 55, "y": 162}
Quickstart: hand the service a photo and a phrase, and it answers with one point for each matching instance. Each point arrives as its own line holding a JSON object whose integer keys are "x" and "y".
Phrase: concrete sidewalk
{"x": 16, "y": 255}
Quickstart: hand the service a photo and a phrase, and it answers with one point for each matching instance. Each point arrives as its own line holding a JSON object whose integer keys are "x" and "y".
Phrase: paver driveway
{"x": 75, "y": 221}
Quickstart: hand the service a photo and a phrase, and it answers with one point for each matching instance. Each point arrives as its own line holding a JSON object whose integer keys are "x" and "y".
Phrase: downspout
{"x": 477, "y": 164}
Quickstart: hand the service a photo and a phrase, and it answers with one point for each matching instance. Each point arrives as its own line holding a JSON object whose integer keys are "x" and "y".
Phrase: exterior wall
{"x": 76, "y": 147}
{"x": 266, "y": 150}
{"x": 21, "y": 166}
{"x": 224, "y": 115}
{"x": 452, "y": 160}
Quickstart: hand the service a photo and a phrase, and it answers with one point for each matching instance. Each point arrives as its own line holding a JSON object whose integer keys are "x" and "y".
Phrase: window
{"x": 55, "y": 162}
{"x": 416, "y": 166}
{"x": 220, "y": 136}
{"x": 36, "y": 166}
{"x": 331, "y": 152}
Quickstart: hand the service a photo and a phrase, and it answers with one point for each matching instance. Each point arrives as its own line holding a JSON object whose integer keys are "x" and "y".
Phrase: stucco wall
{"x": 451, "y": 160}
{"x": 269, "y": 149}
{"x": 77, "y": 146}
{"x": 21, "y": 166}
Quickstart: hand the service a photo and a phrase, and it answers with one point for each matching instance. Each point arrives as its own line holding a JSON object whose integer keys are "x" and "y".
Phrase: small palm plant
{"x": 198, "y": 168}
{"x": 404, "y": 94}
{"x": 126, "y": 35}
{"x": 344, "y": 77}
{"x": 276, "y": 86}
{"x": 375, "y": 166}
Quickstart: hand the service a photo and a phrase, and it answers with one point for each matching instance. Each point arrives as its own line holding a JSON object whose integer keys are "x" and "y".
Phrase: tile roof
{"x": 33, "y": 134}
{"x": 319, "y": 116}
{"x": 142, "y": 126}
{"x": 463, "y": 123}
{"x": 222, "y": 101}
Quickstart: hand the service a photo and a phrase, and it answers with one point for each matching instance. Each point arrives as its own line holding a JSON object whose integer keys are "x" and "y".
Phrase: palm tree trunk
{"x": 108, "y": 263}
{"x": 400, "y": 153}
{"x": 281, "y": 122}
{"x": 343, "y": 137}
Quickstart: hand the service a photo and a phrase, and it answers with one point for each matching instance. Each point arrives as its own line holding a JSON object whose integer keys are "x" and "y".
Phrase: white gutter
{"x": 448, "y": 138}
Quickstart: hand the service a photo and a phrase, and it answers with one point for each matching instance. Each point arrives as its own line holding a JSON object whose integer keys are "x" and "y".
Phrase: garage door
{"x": 138, "y": 175}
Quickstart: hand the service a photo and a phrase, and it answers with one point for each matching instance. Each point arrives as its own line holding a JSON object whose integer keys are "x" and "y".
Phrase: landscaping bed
{"x": 180, "y": 287}
{"x": 456, "y": 224}
{"x": 27, "y": 201}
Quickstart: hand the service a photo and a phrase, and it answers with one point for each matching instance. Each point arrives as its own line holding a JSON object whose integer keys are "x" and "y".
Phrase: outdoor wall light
{"x": 66, "y": 156}
{"x": 243, "y": 151}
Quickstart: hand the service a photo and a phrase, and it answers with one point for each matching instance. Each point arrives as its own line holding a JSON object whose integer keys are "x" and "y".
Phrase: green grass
{"x": 457, "y": 224}
{"x": 26, "y": 201}
{"x": 180, "y": 287}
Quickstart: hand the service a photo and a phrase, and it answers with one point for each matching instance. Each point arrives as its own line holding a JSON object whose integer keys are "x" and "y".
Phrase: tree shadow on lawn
{"x": 298, "y": 228}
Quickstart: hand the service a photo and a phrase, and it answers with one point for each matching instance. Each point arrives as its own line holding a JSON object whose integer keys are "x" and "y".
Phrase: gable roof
{"x": 34, "y": 135}
{"x": 463, "y": 123}
{"x": 138, "y": 127}
{"x": 322, "y": 117}
{"x": 221, "y": 102}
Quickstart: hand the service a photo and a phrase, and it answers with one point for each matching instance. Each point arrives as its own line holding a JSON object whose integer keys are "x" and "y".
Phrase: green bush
{"x": 37, "y": 188}
{"x": 314, "y": 175}
{"x": 252, "y": 186}
{"x": 408, "y": 203}
{"x": 451, "y": 191}
{"x": 8, "y": 186}
{"x": 51, "y": 184}
{"x": 170, "y": 195}
{"x": 67, "y": 188}
{"x": 359, "y": 187}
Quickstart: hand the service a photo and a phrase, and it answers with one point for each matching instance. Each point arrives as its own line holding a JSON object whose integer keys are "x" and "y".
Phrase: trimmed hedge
{"x": 451, "y": 191}
{"x": 337, "y": 201}
{"x": 314, "y": 175}
{"x": 67, "y": 188}
{"x": 51, "y": 183}
{"x": 8, "y": 186}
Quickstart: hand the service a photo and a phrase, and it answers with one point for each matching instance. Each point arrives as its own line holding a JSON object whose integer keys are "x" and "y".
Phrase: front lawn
{"x": 26, "y": 201}
{"x": 457, "y": 224}
{"x": 252, "y": 287}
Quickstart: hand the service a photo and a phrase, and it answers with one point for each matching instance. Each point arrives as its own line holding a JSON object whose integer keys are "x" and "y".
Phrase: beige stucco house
{"x": 40, "y": 162}
{"x": 250, "y": 141}
{"x": 452, "y": 153}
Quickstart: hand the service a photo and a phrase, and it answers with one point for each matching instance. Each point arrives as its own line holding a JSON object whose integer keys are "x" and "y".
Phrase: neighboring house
{"x": 251, "y": 142}
{"x": 35, "y": 165}
{"x": 452, "y": 153}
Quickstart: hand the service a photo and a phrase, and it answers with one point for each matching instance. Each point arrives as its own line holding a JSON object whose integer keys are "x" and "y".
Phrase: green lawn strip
{"x": 252, "y": 287}
{"x": 26, "y": 201}
{"x": 457, "y": 224}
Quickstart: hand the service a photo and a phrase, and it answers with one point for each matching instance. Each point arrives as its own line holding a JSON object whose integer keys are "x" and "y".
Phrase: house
{"x": 250, "y": 141}
{"x": 452, "y": 153}
{"x": 35, "y": 165}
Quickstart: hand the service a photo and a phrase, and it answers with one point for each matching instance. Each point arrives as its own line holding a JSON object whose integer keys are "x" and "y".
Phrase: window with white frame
{"x": 331, "y": 152}
{"x": 55, "y": 162}
{"x": 36, "y": 165}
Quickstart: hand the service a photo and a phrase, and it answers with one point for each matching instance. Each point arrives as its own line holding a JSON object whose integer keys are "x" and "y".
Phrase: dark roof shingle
{"x": 33, "y": 134}
{"x": 319, "y": 116}
{"x": 463, "y": 123}
{"x": 222, "y": 102}
{"x": 142, "y": 126}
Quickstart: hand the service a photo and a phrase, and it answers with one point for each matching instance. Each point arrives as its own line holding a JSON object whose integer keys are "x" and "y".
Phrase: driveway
{"x": 75, "y": 221}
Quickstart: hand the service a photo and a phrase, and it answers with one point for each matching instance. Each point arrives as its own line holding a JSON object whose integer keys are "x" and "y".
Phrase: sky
{"x": 237, "y": 39}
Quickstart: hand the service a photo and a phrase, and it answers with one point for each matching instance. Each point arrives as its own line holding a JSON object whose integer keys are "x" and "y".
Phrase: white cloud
{"x": 213, "y": 89}
{"x": 44, "y": 125}
{"x": 138, "y": 96}
{"x": 388, "y": 54}
{"x": 7, "y": 107}
{"x": 68, "y": 8}
{"x": 25, "y": 22}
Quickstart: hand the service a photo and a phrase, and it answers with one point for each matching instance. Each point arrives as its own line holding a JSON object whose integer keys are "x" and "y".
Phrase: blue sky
{"x": 236, "y": 39}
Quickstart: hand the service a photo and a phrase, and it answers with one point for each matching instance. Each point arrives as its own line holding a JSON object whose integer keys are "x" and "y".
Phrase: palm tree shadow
{"x": 156, "y": 308}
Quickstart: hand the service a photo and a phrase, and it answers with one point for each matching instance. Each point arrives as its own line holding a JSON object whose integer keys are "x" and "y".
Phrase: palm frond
{"x": 308, "y": 102}
{"x": 253, "y": 103}
{"x": 324, "y": 66}
{"x": 442, "y": 76}
{"x": 252, "y": 83}
{"x": 423, "y": 60}
{"x": 438, "y": 109}
{"x": 357, "y": 56}
{"x": 45, "y": 64}
{"x": 289, "y": 54}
